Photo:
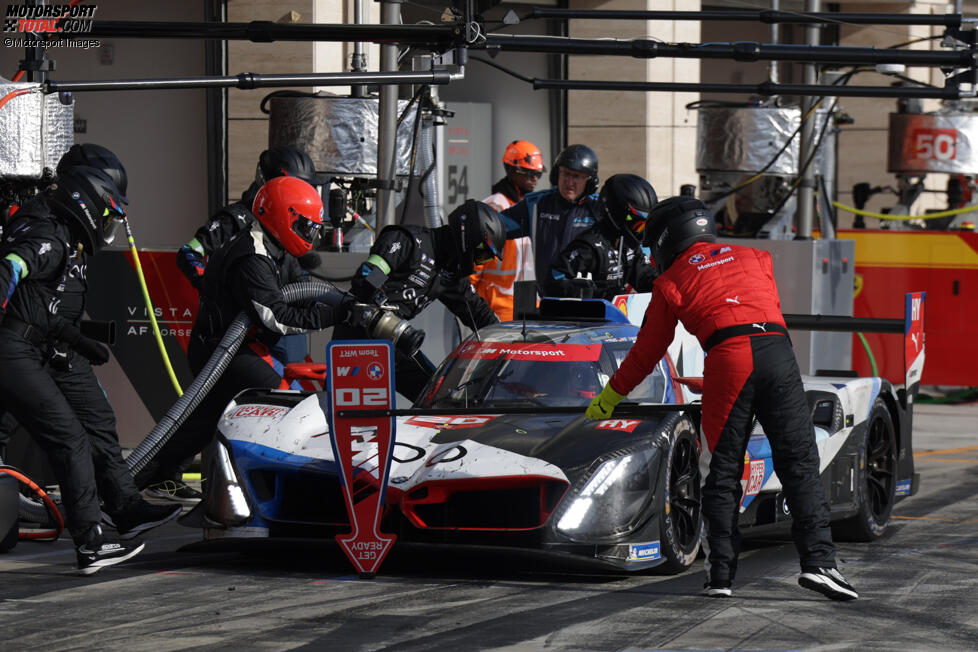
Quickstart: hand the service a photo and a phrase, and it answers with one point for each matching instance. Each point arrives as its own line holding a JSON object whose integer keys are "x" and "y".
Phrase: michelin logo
{"x": 643, "y": 551}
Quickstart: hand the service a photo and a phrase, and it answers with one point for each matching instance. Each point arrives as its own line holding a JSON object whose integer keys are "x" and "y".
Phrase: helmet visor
{"x": 483, "y": 253}
{"x": 111, "y": 216}
{"x": 635, "y": 220}
{"x": 306, "y": 228}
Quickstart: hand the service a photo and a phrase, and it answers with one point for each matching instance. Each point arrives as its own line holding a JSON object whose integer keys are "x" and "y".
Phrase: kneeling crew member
{"x": 247, "y": 274}
{"x": 726, "y": 296}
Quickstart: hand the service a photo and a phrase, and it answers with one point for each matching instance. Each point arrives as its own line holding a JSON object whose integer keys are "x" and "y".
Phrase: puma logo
{"x": 734, "y": 300}
{"x": 763, "y": 327}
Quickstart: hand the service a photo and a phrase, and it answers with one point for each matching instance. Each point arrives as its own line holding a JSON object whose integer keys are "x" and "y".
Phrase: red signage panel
{"x": 361, "y": 377}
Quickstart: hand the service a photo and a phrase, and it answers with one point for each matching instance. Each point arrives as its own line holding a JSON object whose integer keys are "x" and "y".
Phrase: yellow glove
{"x": 604, "y": 403}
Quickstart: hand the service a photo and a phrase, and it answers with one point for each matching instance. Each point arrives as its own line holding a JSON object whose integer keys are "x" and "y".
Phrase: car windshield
{"x": 531, "y": 374}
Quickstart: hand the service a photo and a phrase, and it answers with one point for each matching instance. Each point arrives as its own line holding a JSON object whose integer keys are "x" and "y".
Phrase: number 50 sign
{"x": 935, "y": 144}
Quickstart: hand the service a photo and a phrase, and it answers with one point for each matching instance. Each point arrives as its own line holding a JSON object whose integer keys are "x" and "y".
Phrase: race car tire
{"x": 678, "y": 500}
{"x": 875, "y": 480}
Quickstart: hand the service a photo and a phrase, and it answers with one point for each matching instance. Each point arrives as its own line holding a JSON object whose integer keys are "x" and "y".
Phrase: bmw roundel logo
{"x": 375, "y": 371}
{"x": 696, "y": 259}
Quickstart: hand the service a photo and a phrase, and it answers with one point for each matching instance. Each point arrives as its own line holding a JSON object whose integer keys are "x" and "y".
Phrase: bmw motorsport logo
{"x": 375, "y": 371}
{"x": 696, "y": 259}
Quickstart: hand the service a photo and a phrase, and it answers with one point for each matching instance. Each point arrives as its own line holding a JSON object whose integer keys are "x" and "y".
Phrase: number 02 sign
{"x": 361, "y": 377}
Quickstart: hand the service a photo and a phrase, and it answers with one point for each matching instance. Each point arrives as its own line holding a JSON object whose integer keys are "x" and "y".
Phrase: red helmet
{"x": 291, "y": 210}
{"x": 524, "y": 154}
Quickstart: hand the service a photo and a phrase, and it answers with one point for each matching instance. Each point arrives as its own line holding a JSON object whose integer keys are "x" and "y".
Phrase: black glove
{"x": 70, "y": 335}
{"x": 577, "y": 288}
{"x": 95, "y": 352}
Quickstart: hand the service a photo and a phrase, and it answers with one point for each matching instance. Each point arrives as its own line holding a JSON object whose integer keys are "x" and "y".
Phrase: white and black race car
{"x": 497, "y": 452}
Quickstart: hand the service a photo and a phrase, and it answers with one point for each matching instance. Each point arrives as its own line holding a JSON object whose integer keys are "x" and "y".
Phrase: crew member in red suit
{"x": 726, "y": 296}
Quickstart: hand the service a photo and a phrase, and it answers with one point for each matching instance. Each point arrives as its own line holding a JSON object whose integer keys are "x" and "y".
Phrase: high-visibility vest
{"x": 494, "y": 280}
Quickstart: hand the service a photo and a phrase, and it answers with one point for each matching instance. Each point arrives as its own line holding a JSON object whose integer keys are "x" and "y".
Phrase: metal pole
{"x": 359, "y": 60}
{"x": 250, "y": 80}
{"x": 387, "y": 122}
{"x": 806, "y": 149}
{"x": 766, "y": 89}
{"x": 771, "y": 16}
{"x": 772, "y": 74}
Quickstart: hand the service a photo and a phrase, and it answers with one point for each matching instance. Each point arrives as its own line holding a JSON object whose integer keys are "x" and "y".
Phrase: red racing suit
{"x": 726, "y": 296}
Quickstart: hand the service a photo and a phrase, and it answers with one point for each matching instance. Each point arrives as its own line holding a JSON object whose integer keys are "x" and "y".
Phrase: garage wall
{"x": 158, "y": 135}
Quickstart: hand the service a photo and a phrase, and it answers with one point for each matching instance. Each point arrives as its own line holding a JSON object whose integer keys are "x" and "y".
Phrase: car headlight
{"x": 613, "y": 500}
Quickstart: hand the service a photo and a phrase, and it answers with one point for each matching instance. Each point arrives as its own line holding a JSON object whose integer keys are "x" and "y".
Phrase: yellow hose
{"x": 152, "y": 311}
{"x": 884, "y": 216}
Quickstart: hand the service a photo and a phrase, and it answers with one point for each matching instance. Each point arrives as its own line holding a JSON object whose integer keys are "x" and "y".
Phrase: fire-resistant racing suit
{"x": 613, "y": 267}
{"x": 415, "y": 261}
{"x": 726, "y": 296}
{"x": 34, "y": 262}
{"x": 246, "y": 274}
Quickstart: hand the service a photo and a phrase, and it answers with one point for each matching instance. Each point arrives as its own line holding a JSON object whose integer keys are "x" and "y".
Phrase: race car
{"x": 497, "y": 452}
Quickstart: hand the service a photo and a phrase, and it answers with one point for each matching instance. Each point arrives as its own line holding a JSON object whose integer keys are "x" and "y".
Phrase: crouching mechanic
{"x": 248, "y": 274}
{"x": 607, "y": 259}
{"x": 726, "y": 296}
{"x": 192, "y": 261}
{"x": 75, "y": 213}
{"x": 411, "y": 266}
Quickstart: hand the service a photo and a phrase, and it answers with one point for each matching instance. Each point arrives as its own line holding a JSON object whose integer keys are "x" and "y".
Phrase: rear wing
{"x": 911, "y": 327}
{"x": 688, "y": 355}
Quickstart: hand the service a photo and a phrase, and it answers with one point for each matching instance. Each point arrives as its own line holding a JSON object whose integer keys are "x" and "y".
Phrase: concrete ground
{"x": 917, "y": 590}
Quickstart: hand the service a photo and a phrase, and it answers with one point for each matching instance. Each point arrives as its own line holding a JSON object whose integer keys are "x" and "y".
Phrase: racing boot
{"x": 827, "y": 581}
{"x": 140, "y": 517}
{"x": 717, "y": 589}
{"x": 94, "y": 552}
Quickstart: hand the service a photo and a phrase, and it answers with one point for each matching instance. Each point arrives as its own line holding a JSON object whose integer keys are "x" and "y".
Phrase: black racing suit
{"x": 225, "y": 224}
{"x": 246, "y": 274}
{"x": 613, "y": 266}
{"x": 34, "y": 262}
{"x": 552, "y": 223}
{"x": 413, "y": 262}
{"x": 74, "y": 376}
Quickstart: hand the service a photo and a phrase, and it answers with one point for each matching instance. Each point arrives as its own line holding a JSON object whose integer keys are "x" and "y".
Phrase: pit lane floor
{"x": 917, "y": 588}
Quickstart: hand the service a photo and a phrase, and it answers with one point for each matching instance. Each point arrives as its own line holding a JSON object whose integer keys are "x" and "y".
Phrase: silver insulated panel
{"x": 37, "y": 129}
{"x": 339, "y": 133}
{"x": 746, "y": 139}
{"x": 933, "y": 142}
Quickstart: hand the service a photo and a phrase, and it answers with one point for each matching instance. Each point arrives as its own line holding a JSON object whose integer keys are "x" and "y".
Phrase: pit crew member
{"x": 607, "y": 259}
{"x": 727, "y": 297}
{"x": 494, "y": 281}
{"x": 411, "y": 266}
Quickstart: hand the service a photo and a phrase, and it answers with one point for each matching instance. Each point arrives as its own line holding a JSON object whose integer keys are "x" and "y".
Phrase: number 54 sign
{"x": 361, "y": 377}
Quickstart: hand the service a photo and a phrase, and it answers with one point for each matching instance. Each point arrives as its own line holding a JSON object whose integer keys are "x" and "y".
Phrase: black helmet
{"x": 581, "y": 158}
{"x": 285, "y": 162}
{"x": 99, "y": 157}
{"x": 674, "y": 224}
{"x": 625, "y": 201}
{"x": 89, "y": 202}
{"x": 478, "y": 234}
